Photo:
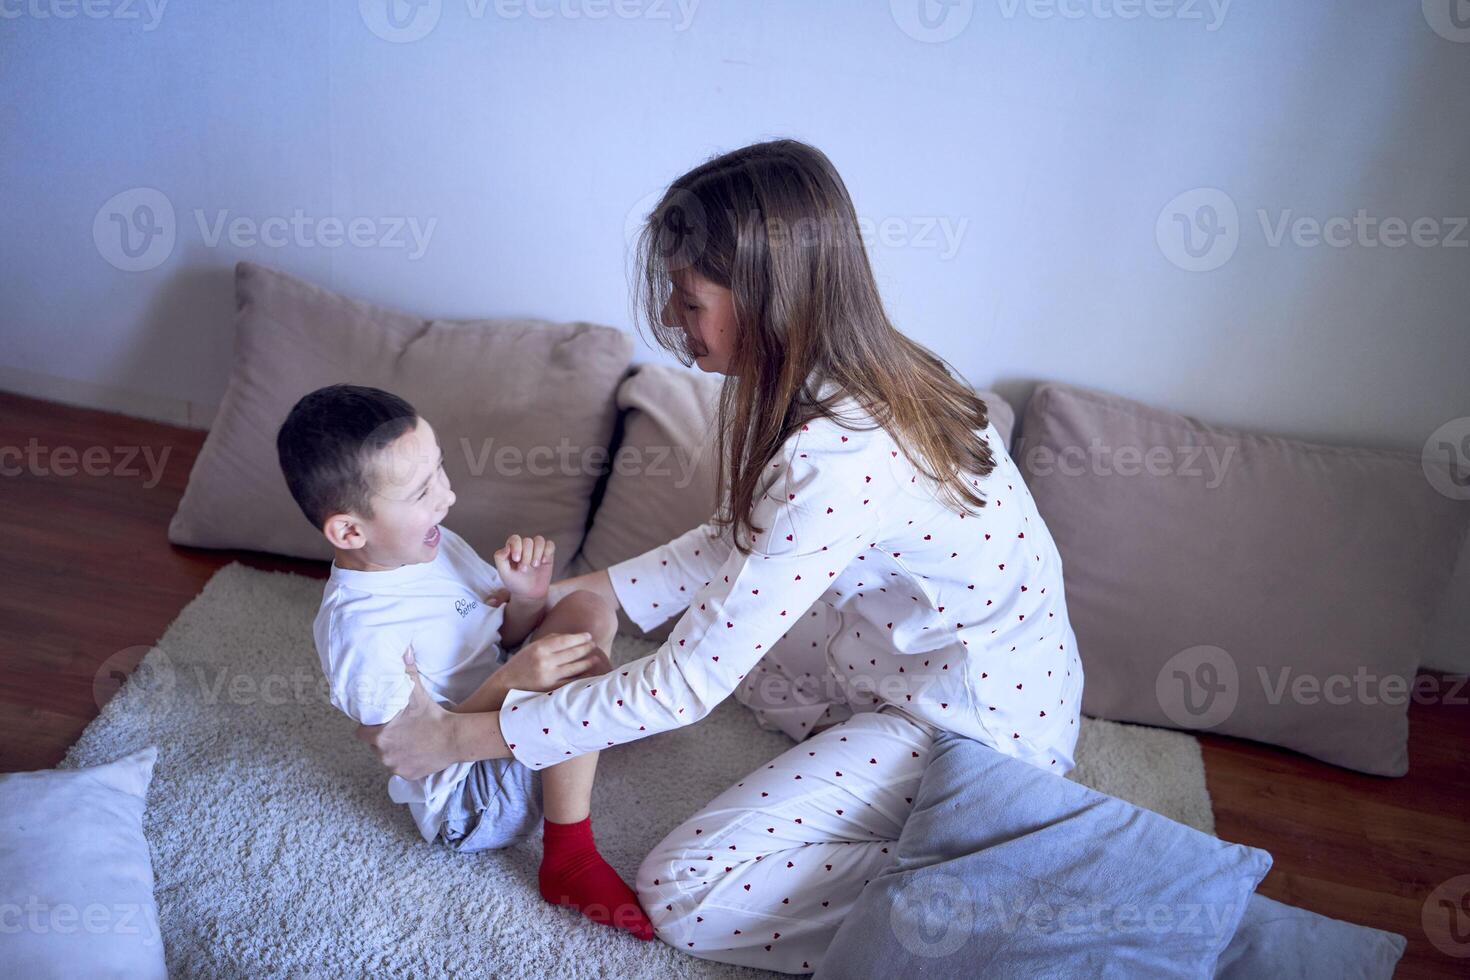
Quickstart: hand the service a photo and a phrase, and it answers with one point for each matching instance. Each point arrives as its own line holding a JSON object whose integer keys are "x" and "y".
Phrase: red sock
{"x": 574, "y": 874}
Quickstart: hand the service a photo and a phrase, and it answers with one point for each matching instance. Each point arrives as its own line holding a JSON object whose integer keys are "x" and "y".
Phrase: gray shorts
{"x": 498, "y": 803}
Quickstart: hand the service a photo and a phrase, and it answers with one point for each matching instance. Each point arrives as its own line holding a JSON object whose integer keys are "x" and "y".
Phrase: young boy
{"x": 368, "y": 473}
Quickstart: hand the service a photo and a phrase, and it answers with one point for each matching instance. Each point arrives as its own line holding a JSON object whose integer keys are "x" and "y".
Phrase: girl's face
{"x": 706, "y": 312}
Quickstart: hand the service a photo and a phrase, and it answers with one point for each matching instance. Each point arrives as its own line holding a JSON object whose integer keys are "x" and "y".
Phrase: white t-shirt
{"x": 368, "y": 619}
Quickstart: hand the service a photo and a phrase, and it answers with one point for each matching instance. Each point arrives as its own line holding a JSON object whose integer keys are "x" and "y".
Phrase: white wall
{"x": 1048, "y": 139}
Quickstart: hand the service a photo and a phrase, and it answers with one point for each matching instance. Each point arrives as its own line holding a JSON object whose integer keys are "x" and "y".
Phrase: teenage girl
{"x": 877, "y": 572}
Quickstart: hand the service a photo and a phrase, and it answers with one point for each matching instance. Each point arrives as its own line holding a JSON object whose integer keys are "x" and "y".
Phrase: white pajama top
{"x": 956, "y": 619}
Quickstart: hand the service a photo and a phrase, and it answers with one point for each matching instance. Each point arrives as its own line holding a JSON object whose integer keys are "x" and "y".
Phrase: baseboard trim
{"x": 108, "y": 398}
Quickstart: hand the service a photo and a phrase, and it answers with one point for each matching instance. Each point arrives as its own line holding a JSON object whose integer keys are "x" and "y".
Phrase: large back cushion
{"x": 523, "y": 409}
{"x": 1251, "y": 585}
{"x": 662, "y": 480}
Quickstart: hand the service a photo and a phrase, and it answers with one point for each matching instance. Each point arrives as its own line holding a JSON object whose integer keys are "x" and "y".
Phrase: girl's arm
{"x": 818, "y": 516}
{"x": 424, "y": 737}
{"x": 477, "y": 736}
{"x": 658, "y": 584}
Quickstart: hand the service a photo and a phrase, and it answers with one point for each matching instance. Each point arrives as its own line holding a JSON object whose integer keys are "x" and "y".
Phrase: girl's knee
{"x": 672, "y": 882}
{"x": 658, "y": 869}
{"x": 655, "y": 894}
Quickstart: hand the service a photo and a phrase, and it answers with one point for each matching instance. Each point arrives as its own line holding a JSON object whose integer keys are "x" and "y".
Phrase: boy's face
{"x": 410, "y": 496}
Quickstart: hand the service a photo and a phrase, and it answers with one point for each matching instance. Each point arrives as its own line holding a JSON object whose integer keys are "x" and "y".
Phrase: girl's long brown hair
{"x": 773, "y": 223}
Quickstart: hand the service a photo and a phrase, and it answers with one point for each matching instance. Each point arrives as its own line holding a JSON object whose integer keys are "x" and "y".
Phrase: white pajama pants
{"x": 765, "y": 873}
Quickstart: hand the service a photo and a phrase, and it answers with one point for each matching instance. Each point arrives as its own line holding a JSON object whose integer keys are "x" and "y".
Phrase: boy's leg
{"x": 572, "y": 872}
{"x": 567, "y": 787}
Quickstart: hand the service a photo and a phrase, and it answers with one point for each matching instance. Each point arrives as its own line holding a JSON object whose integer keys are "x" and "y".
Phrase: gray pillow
{"x": 1005, "y": 871}
{"x": 1276, "y": 940}
{"x": 76, "y": 876}
{"x": 523, "y": 410}
{"x": 662, "y": 481}
{"x": 1256, "y": 586}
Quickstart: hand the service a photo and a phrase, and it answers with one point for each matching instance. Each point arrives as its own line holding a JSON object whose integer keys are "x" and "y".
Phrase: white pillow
{"x": 76, "y": 878}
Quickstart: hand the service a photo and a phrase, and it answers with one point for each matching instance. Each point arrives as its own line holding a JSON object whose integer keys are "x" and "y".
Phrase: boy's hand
{"x": 548, "y": 662}
{"x": 525, "y": 566}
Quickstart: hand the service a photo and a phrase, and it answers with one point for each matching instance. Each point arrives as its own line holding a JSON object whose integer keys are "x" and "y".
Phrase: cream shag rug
{"x": 278, "y": 853}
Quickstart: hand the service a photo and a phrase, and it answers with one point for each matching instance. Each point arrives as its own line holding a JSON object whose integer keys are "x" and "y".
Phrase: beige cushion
{"x": 663, "y": 470}
{"x": 1241, "y": 583}
{"x": 662, "y": 481}
{"x": 524, "y": 411}
{"x": 1002, "y": 415}
{"x": 663, "y": 477}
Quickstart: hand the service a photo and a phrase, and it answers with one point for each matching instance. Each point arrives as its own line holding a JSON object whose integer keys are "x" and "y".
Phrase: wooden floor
{"x": 90, "y": 581}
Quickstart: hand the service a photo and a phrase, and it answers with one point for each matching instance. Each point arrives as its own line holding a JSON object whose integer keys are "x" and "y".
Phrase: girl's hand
{"x": 419, "y": 740}
{"x": 548, "y": 662}
{"x": 525, "y": 566}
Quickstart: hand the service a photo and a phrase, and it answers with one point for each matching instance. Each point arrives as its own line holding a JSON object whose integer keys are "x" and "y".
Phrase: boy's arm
{"x": 521, "y": 617}
{"x": 524, "y": 568}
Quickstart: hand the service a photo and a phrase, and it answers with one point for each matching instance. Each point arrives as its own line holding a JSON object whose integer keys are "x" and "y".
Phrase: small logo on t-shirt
{"x": 464, "y": 607}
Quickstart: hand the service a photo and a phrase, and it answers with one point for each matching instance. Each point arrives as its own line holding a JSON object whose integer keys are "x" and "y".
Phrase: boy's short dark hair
{"x": 327, "y": 440}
